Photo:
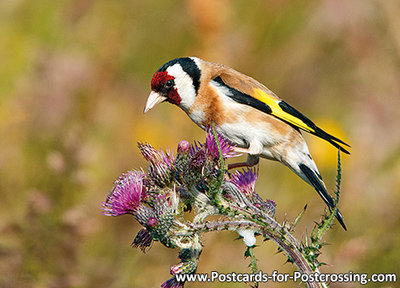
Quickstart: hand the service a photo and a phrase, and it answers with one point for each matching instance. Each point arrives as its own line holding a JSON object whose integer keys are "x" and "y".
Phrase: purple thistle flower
{"x": 172, "y": 283}
{"x": 126, "y": 195}
{"x": 198, "y": 158}
{"x": 142, "y": 240}
{"x": 245, "y": 180}
{"x": 227, "y": 148}
{"x": 195, "y": 147}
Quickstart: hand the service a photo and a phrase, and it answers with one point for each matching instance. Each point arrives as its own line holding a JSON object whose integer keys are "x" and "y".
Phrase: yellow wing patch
{"x": 278, "y": 112}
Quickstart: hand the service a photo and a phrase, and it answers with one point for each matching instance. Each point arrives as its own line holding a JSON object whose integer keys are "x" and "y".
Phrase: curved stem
{"x": 279, "y": 235}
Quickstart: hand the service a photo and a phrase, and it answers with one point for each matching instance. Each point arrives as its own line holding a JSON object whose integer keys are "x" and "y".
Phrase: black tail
{"x": 317, "y": 184}
{"x": 331, "y": 139}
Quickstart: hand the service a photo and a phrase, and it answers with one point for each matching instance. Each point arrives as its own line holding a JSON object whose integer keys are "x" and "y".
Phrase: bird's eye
{"x": 169, "y": 84}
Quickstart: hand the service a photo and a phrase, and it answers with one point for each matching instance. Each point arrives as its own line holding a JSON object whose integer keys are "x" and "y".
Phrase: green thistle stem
{"x": 338, "y": 177}
{"x": 320, "y": 230}
{"x": 278, "y": 234}
{"x": 253, "y": 263}
{"x": 221, "y": 159}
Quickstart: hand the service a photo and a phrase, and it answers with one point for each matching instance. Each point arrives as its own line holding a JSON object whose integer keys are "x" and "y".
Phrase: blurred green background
{"x": 74, "y": 78}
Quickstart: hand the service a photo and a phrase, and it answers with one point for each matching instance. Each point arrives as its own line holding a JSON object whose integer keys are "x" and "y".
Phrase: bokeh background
{"x": 74, "y": 78}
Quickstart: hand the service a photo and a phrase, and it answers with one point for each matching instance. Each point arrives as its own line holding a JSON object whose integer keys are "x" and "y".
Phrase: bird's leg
{"x": 250, "y": 162}
{"x": 253, "y": 157}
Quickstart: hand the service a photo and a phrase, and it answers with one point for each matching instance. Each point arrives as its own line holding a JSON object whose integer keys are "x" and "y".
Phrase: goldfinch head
{"x": 177, "y": 82}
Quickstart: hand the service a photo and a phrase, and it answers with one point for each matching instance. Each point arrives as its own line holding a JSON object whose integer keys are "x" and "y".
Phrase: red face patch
{"x": 159, "y": 79}
{"x": 158, "y": 85}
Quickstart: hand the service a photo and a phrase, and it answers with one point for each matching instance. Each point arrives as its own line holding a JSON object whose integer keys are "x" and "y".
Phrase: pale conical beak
{"x": 153, "y": 100}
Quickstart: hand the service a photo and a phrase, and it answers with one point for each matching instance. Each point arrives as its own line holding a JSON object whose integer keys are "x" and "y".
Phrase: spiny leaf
{"x": 289, "y": 260}
{"x": 299, "y": 217}
{"x": 247, "y": 253}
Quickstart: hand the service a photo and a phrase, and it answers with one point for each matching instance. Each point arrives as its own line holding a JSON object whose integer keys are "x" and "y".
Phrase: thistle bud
{"x": 183, "y": 147}
{"x": 184, "y": 267}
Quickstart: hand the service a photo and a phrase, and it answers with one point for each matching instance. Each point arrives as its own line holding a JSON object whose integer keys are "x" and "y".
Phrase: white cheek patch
{"x": 184, "y": 86}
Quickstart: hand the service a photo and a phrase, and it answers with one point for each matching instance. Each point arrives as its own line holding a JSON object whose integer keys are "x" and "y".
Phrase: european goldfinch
{"x": 246, "y": 112}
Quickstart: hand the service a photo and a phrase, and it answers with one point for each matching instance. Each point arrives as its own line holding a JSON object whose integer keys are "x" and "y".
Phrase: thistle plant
{"x": 196, "y": 179}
